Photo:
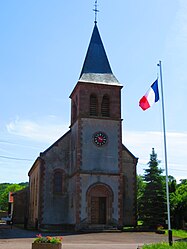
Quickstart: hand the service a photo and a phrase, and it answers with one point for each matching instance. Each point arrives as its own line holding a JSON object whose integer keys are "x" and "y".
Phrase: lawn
{"x": 176, "y": 245}
{"x": 178, "y": 233}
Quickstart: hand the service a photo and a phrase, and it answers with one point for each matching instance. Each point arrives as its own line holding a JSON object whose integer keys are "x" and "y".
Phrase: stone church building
{"x": 87, "y": 178}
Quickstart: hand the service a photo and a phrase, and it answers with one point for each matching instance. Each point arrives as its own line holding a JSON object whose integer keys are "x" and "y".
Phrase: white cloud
{"x": 140, "y": 143}
{"x": 46, "y": 130}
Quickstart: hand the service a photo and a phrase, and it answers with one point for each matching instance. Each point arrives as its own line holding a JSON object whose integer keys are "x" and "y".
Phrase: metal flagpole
{"x": 165, "y": 155}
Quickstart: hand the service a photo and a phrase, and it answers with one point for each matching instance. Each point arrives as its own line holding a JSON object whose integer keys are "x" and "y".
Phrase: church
{"x": 87, "y": 178}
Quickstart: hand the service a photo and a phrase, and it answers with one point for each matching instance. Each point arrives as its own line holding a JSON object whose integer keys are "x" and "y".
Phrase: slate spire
{"x": 96, "y": 67}
{"x": 96, "y": 60}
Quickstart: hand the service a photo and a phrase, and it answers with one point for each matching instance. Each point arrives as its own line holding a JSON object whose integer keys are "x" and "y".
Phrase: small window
{"x": 58, "y": 182}
{"x": 93, "y": 105}
{"x": 105, "y": 106}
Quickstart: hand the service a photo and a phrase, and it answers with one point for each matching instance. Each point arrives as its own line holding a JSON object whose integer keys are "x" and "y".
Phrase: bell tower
{"x": 96, "y": 140}
{"x": 96, "y": 75}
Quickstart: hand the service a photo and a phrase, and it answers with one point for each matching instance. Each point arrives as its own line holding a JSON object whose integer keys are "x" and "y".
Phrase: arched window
{"x": 93, "y": 105}
{"x": 58, "y": 182}
{"x": 105, "y": 106}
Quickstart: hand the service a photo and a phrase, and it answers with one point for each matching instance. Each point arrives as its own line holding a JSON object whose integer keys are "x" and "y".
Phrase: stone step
{"x": 100, "y": 228}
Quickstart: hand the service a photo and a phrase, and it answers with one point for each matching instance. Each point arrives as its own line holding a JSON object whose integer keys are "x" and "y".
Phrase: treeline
{"x": 5, "y": 188}
{"x": 151, "y": 197}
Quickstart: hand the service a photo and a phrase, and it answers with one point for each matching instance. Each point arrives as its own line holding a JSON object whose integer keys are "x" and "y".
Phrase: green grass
{"x": 176, "y": 245}
{"x": 178, "y": 233}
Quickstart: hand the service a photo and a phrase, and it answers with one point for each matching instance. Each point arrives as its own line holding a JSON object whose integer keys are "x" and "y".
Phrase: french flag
{"x": 151, "y": 96}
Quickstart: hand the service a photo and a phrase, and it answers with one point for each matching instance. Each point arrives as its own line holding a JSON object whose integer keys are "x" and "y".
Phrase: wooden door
{"x": 98, "y": 210}
{"x": 102, "y": 210}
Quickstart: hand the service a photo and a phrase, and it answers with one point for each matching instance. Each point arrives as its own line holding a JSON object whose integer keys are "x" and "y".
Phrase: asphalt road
{"x": 17, "y": 238}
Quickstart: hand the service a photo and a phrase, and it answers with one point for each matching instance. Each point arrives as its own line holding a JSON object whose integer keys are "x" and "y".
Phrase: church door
{"x": 98, "y": 210}
{"x": 102, "y": 210}
{"x": 99, "y": 201}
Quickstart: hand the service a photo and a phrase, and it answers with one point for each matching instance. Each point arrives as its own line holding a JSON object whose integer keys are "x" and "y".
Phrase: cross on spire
{"x": 95, "y": 10}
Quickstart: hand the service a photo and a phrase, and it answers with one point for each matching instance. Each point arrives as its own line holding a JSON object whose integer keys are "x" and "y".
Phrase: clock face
{"x": 100, "y": 138}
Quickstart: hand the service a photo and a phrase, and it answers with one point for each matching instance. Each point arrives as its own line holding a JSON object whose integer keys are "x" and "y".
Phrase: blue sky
{"x": 42, "y": 49}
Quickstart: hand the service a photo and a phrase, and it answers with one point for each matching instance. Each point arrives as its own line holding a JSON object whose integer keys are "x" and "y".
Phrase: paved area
{"x": 17, "y": 238}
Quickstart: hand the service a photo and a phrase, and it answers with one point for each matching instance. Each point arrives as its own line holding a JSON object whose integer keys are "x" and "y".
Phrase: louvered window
{"x": 93, "y": 105}
{"x": 105, "y": 106}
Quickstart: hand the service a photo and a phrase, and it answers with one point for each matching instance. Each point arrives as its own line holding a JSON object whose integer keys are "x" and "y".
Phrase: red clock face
{"x": 100, "y": 138}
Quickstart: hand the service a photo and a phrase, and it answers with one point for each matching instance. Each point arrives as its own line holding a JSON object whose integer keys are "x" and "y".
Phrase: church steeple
{"x": 96, "y": 67}
{"x": 97, "y": 92}
{"x": 96, "y": 60}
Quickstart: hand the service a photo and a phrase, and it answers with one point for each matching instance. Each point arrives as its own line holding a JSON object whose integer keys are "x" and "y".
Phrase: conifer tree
{"x": 153, "y": 200}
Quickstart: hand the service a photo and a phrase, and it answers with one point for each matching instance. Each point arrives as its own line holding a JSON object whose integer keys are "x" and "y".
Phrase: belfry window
{"x": 105, "y": 106}
{"x": 93, "y": 105}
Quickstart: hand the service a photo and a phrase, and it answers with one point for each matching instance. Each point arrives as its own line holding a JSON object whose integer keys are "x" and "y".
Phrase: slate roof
{"x": 96, "y": 67}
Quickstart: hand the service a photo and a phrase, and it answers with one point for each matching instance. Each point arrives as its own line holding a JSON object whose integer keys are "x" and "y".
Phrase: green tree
{"x": 5, "y": 188}
{"x": 152, "y": 204}
{"x": 178, "y": 201}
{"x": 140, "y": 190}
{"x": 172, "y": 183}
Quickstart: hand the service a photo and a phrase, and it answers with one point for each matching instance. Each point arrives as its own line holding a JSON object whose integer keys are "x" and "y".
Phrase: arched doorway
{"x": 99, "y": 203}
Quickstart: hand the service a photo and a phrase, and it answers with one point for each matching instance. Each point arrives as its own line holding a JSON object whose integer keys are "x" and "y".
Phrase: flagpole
{"x": 165, "y": 155}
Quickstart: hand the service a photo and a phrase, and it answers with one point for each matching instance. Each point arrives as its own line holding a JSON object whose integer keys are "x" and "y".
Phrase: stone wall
{"x": 130, "y": 193}
{"x": 20, "y": 208}
{"x": 56, "y": 205}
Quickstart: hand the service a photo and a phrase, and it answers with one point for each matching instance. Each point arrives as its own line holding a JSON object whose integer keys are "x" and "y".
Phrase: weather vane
{"x": 95, "y": 10}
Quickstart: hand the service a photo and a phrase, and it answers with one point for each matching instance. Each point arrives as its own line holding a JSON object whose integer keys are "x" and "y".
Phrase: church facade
{"x": 87, "y": 177}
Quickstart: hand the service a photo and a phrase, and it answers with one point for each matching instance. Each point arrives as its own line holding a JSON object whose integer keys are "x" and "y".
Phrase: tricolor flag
{"x": 151, "y": 96}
